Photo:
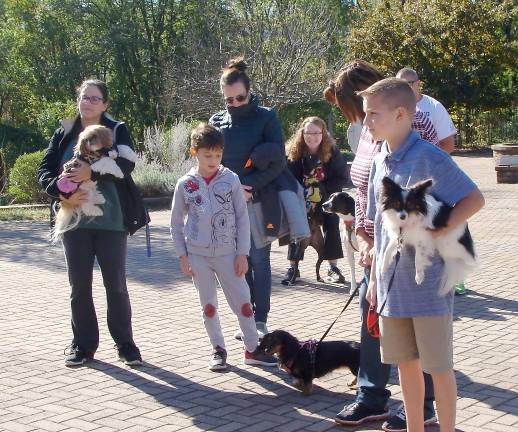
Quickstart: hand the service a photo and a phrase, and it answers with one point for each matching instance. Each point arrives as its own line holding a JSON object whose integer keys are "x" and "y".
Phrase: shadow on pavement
{"x": 181, "y": 393}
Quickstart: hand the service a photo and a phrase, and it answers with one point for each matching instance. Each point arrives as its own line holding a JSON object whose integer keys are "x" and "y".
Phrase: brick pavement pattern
{"x": 174, "y": 391}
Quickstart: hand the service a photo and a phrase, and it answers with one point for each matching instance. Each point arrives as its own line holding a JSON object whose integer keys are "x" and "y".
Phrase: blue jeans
{"x": 259, "y": 278}
{"x": 373, "y": 375}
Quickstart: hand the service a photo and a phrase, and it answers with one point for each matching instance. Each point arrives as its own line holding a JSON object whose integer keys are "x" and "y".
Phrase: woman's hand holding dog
{"x": 185, "y": 267}
{"x": 241, "y": 265}
{"x": 81, "y": 173}
{"x": 78, "y": 198}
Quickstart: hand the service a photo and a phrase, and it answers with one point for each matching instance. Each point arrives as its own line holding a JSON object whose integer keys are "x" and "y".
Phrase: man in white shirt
{"x": 435, "y": 110}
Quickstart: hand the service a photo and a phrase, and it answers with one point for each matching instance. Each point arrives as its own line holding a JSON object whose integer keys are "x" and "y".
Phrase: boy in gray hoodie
{"x": 214, "y": 241}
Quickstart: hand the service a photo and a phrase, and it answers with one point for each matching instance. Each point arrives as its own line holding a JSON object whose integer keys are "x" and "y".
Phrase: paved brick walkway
{"x": 174, "y": 390}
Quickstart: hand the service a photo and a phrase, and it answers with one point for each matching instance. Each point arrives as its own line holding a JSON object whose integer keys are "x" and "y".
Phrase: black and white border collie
{"x": 412, "y": 213}
{"x": 342, "y": 204}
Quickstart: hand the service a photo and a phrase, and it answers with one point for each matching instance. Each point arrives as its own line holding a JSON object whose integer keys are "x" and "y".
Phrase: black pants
{"x": 332, "y": 241}
{"x": 81, "y": 248}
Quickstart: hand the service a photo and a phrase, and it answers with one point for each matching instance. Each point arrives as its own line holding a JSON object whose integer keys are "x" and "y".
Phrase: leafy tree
{"x": 460, "y": 48}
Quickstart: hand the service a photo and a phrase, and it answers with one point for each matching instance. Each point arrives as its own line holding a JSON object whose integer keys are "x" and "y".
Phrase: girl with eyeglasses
{"x": 318, "y": 165}
{"x": 103, "y": 237}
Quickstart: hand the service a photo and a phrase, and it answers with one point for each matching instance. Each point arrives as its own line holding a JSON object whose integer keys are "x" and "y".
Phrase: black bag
{"x": 134, "y": 212}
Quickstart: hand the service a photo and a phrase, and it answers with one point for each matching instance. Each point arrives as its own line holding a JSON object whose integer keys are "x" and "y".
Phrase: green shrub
{"x": 154, "y": 180}
{"x": 17, "y": 141}
{"x": 165, "y": 159}
{"x": 23, "y": 185}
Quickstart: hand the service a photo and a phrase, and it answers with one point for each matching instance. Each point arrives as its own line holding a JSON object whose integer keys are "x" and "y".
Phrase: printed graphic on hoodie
{"x": 222, "y": 233}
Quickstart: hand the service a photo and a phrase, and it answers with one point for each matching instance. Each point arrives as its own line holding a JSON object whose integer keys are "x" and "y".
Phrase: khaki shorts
{"x": 428, "y": 338}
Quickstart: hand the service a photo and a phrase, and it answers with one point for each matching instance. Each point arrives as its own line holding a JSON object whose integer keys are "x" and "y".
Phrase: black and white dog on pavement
{"x": 342, "y": 204}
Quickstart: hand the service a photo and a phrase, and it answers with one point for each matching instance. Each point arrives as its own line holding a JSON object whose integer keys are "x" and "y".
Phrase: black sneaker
{"x": 218, "y": 359}
{"x": 129, "y": 354}
{"x": 75, "y": 355}
{"x": 291, "y": 276}
{"x": 260, "y": 358}
{"x": 397, "y": 422}
{"x": 358, "y": 413}
{"x": 335, "y": 275}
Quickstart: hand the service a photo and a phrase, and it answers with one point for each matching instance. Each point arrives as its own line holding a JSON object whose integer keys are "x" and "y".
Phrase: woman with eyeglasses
{"x": 245, "y": 126}
{"x": 103, "y": 237}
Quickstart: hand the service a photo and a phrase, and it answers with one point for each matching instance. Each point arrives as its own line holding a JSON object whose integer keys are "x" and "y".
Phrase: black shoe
{"x": 76, "y": 356}
{"x": 335, "y": 275}
{"x": 397, "y": 422}
{"x": 358, "y": 413}
{"x": 291, "y": 276}
{"x": 260, "y": 358}
{"x": 129, "y": 354}
{"x": 218, "y": 359}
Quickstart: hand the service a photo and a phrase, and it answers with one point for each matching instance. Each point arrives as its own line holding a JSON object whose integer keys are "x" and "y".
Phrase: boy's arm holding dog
{"x": 462, "y": 211}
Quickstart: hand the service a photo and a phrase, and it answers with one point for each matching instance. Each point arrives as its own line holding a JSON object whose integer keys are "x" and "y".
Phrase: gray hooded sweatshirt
{"x": 217, "y": 218}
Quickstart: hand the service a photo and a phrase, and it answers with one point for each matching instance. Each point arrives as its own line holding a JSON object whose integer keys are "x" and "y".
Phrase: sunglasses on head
{"x": 239, "y": 98}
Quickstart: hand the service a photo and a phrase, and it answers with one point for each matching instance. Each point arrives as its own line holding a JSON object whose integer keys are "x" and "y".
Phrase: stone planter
{"x": 506, "y": 162}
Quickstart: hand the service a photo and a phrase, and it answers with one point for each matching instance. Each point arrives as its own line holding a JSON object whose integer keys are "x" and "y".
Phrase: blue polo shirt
{"x": 413, "y": 161}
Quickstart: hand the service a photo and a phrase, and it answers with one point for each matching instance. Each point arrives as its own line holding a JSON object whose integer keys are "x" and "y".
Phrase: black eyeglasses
{"x": 239, "y": 98}
{"x": 94, "y": 100}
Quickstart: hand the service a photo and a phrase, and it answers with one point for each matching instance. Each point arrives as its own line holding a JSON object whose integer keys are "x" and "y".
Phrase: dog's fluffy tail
{"x": 455, "y": 271}
{"x": 67, "y": 218}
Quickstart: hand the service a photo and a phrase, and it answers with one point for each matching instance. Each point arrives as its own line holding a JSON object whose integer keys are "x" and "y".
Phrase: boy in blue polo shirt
{"x": 416, "y": 323}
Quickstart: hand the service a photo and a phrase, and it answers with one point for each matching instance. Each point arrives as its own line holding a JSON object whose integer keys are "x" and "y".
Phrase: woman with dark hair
{"x": 372, "y": 396}
{"x": 103, "y": 237}
{"x": 246, "y": 125}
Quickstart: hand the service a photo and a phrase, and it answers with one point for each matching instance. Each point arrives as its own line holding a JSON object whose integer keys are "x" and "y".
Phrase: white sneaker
{"x": 261, "y": 331}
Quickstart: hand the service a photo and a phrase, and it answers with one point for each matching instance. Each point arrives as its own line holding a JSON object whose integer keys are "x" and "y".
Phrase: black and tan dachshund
{"x": 308, "y": 360}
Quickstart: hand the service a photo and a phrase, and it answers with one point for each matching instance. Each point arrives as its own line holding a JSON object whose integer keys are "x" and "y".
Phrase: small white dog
{"x": 94, "y": 146}
{"x": 408, "y": 216}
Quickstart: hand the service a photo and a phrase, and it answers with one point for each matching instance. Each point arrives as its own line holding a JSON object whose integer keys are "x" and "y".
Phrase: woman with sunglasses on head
{"x": 245, "y": 126}
{"x": 103, "y": 237}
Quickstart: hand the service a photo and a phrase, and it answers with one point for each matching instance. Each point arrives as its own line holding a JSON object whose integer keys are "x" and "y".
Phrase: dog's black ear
{"x": 422, "y": 186}
{"x": 390, "y": 186}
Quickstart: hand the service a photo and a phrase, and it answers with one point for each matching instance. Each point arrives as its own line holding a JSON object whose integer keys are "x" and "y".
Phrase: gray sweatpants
{"x": 237, "y": 293}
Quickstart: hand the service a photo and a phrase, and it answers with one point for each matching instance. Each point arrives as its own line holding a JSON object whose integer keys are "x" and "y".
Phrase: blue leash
{"x": 148, "y": 240}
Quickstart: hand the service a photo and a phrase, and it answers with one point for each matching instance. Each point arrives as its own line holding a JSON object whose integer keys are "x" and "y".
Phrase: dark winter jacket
{"x": 244, "y": 128}
{"x": 133, "y": 211}
{"x": 335, "y": 173}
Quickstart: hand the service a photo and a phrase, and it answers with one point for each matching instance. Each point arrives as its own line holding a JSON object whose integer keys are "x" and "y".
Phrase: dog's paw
{"x": 307, "y": 389}
{"x": 419, "y": 277}
{"x": 297, "y": 383}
